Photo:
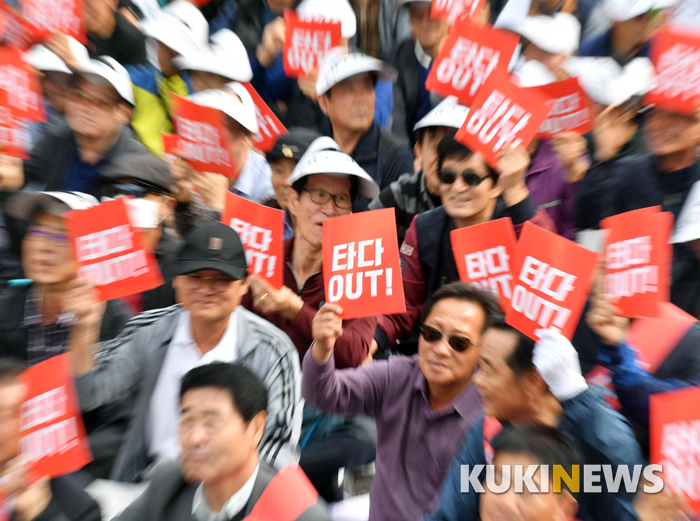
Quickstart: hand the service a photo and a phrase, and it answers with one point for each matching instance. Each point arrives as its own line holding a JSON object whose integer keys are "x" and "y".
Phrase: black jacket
{"x": 166, "y": 254}
{"x": 406, "y": 89}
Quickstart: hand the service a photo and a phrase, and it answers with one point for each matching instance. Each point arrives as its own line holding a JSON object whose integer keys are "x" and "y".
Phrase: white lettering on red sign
{"x": 680, "y": 456}
{"x": 632, "y": 257}
{"x": 308, "y": 48}
{"x": 257, "y": 241}
{"x": 498, "y": 118}
{"x": 490, "y": 269}
{"x": 103, "y": 243}
{"x": 16, "y": 82}
{"x": 55, "y": 15}
{"x": 362, "y": 254}
{"x": 678, "y": 72}
{"x": 468, "y": 62}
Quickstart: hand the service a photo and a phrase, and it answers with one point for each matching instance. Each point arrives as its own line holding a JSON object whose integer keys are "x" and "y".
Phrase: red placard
{"x": 552, "y": 278}
{"x": 110, "y": 253}
{"x": 20, "y": 33}
{"x": 361, "y": 266}
{"x": 638, "y": 260}
{"x": 674, "y": 434}
{"x": 261, "y": 230}
{"x": 676, "y": 58}
{"x": 4, "y": 20}
{"x": 469, "y": 56}
{"x": 306, "y": 43}
{"x": 20, "y": 89}
{"x": 655, "y": 338}
{"x": 175, "y": 146}
{"x": 53, "y": 438}
{"x": 483, "y": 254}
{"x": 503, "y": 115}
{"x": 270, "y": 128}
{"x": 454, "y": 9}
{"x": 571, "y": 110}
{"x": 206, "y": 137}
{"x": 65, "y": 16}
{"x": 14, "y": 135}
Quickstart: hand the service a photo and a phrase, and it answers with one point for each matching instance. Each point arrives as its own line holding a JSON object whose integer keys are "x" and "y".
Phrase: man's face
{"x": 668, "y": 133}
{"x": 11, "y": 396}
{"x": 426, "y": 149}
{"x": 216, "y": 441}
{"x": 637, "y": 31}
{"x": 165, "y": 59}
{"x": 462, "y": 201}
{"x": 100, "y": 15}
{"x": 441, "y": 365}
{"x": 46, "y": 251}
{"x": 502, "y": 393}
{"x": 278, "y": 6}
{"x": 350, "y": 105}
{"x": 527, "y": 506}
{"x": 95, "y": 111}
{"x": 240, "y": 142}
{"x": 209, "y": 295}
{"x": 309, "y": 215}
{"x": 427, "y": 31}
{"x": 54, "y": 85}
{"x": 281, "y": 170}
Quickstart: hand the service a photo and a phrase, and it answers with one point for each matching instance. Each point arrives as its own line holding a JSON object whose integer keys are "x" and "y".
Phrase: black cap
{"x": 143, "y": 168}
{"x": 213, "y": 246}
{"x": 293, "y": 145}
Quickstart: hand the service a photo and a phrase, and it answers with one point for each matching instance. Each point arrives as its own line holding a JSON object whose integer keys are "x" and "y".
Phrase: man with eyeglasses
{"x": 472, "y": 193}
{"x": 158, "y": 347}
{"x": 40, "y": 319}
{"x": 324, "y": 185}
{"x": 422, "y": 404}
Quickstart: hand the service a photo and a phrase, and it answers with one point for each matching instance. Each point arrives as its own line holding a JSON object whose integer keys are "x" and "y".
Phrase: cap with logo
{"x": 293, "y": 145}
{"x": 448, "y": 113}
{"x": 324, "y": 156}
{"x": 225, "y": 56}
{"x": 234, "y": 101}
{"x": 213, "y": 246}
{"x": 25, "y": 205}
{"x": 557, "y": 34}
{"x": 339, "y": 66}
{"x": 105, "y": 69}
{"x": 142, "y": 167}
{"x": 330, "y": 11}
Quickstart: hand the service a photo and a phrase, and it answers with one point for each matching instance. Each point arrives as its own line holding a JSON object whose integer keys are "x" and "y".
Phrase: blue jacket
{"x": 601, "y": 435}
{"x": 599, "y": 46}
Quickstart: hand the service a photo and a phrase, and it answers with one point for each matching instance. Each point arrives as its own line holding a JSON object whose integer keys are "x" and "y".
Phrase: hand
{"x": 660, "y": 507}
{"x": 182, "y": 173}
{"x": 272, "y": 42}
{"x": 59, "y": 44}
{"x": 81, "y": 299}
{"x": 268, "y": 300}
{"x": 212, "y": 187}
{"x": 307, "y": 85}
{"x": 326, "y": 328}
{"x": 32, "y": 500}
{"x": 570, "y": 148}
{"x": 511, "y": 169}
{"x": 11, "y": 173}
{"x": 611, "y": 133}
{"x": 557, "y": 362}
{"x": 14, "y": 477}
{"x": 605, "y": 321}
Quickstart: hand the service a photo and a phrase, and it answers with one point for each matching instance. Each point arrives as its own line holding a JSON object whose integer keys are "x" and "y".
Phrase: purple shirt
{"x": 549, "y": 190}
{"x": 415, "y": 445}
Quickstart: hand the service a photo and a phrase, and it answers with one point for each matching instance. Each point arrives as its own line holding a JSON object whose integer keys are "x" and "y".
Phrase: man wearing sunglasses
{"x": 158, "y": 347}
{"x": 422, "y": 404}
{"x": 471, "y": 193}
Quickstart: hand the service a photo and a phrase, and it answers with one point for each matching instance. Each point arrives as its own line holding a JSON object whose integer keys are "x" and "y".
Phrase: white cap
{"x": 605, "y": 82}
{"x": 181, "y": 27}
{"x": 45, "y": 60}
{"x": 241, "y": 110}
{"x": 330, "y": 11}
{"x": 25, "y": 205}
{"x": 105, "y": 68}
{"x": 324, "y": 156}
{"x": 534, "y": 73}
{"x": 448, "y": 113}
{"x": 225, "y": 56}
{"x": 558, "y": 34}
{"x": 622, "y": 10}
{"x": 339, "y": 66}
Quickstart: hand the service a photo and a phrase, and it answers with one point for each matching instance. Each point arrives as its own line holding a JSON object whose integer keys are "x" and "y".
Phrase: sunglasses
{"x": 124, "y": 190}
{"x": 459, "y": 343}
{"x": 469, "y": 177}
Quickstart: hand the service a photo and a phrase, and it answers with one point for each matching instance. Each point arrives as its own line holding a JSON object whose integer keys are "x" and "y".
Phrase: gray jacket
{"x": 131, "y": 363}
{"x": 169, "y": 497}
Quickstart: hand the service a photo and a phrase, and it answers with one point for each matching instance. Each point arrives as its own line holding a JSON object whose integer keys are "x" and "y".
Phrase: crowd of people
{"x": 212, "y": 386}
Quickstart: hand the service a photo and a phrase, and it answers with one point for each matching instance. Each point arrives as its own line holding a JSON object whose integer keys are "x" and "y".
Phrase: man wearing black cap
{"x": 283, "y": 158}
{"x": 147, "y": 180}
{"x": 158, "y": 347}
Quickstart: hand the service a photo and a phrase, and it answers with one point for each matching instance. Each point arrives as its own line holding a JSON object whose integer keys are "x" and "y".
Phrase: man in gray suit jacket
{"x": 157, "y": 348}
{"x": 220, "y": 477}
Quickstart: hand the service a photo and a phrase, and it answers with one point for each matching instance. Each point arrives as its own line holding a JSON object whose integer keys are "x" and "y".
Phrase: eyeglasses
{"x": 469, "y": 177}
{"x": 218, "y": 284}
{"x": 56, "y": 239}
{"x": 78, "y": 96}
{"x": 459, "y": 343}
{"x": 126, "y": 189}
{"x": 320, "y": 196}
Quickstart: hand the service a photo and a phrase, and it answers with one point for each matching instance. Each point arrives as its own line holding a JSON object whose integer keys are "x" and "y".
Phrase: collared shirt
{"x": 183, "y": 354}
{"x": 415, "y": 444}
{"x": 255, "y": 181}
{"x": 44, "y": 340}
{"x": 202, "y": 512}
